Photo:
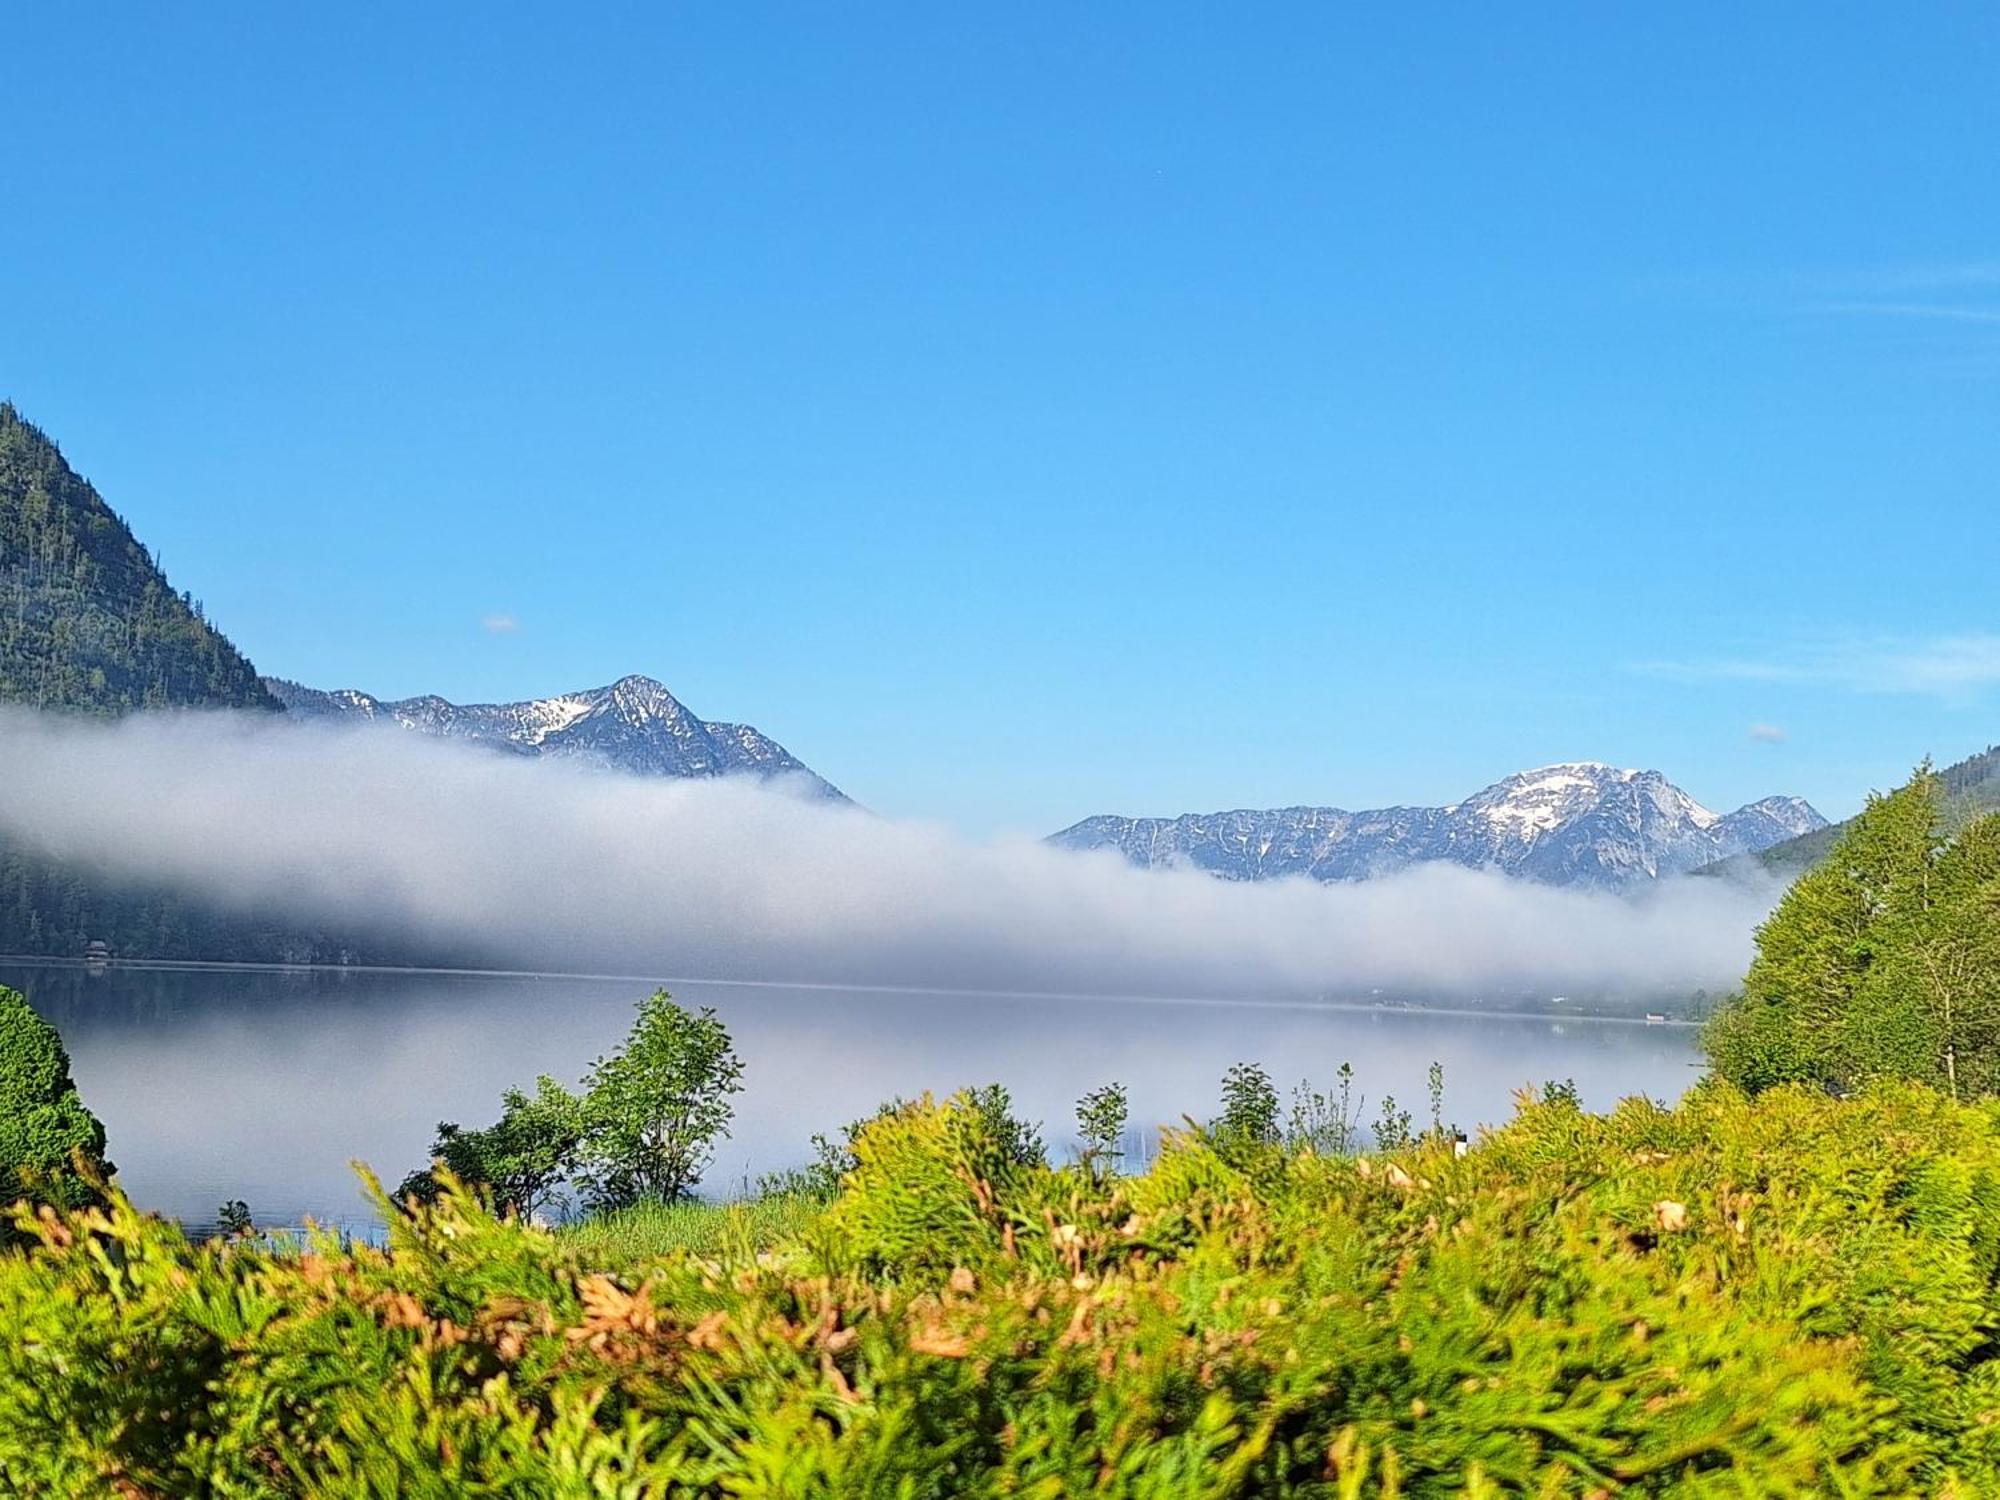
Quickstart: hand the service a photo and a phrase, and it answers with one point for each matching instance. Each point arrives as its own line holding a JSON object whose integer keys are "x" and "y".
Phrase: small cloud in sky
{"x": 1767, "y": 734}
{"x": 499, "y": 624}
{"x": 1944, "y": 666}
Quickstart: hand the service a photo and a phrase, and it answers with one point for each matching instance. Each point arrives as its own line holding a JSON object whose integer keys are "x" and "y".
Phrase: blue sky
{"x": 1058, "y": 409}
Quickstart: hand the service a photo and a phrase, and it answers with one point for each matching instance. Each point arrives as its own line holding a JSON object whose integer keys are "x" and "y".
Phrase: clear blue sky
{"x": 1040, "y": 410}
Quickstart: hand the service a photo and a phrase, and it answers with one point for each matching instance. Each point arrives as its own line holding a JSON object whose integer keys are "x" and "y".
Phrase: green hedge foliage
{"x": 1789, "y": 1295}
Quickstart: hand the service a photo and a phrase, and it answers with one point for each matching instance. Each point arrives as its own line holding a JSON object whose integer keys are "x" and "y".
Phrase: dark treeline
{"x": 47, "y": 907}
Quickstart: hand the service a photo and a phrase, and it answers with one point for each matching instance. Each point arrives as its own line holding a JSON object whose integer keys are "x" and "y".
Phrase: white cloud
{"x": 499, "y": 624}
{"x": 551, "y": 865}
{"x": 1767, "y": 734}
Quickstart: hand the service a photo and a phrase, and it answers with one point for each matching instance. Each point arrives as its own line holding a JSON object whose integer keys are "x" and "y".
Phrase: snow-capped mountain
{"x": 1581, "y": 823}
{"x": 634, "y": 725}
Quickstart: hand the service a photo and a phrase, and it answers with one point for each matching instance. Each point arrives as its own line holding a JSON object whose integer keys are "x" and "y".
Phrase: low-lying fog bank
{"x": 552, "y": 865}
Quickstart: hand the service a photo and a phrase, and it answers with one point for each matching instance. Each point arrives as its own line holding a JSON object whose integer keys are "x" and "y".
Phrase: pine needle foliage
{"x": 1780, "y": 1295}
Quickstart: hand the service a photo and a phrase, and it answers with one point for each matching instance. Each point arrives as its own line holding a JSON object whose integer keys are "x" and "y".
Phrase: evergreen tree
{"x": 50, "y": 1145}
{"x": 87, "y": 619}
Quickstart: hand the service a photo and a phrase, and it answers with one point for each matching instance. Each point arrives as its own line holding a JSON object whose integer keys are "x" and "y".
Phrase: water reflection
{"x": 217, "y": 1084}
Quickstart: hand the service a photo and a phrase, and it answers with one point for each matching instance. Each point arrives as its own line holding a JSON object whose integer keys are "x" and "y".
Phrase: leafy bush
{"x": 643, "y": 1129}
{"x": 523, "y": 1159}
{"x": 1782, "y": 1295}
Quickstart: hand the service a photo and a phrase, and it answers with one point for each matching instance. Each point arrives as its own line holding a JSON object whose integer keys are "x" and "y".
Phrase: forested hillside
{"x": 87, "y": 619}
{"x": 89, "y": 624}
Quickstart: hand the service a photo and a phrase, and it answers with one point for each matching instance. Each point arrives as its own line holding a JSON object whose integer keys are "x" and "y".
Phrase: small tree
{"x": 655, "y": 1107}
{"x": 523, "y": 1159}
{"x": 233, "y": 1220}
{"x": 1100, "y": 1125}
{"x": 1392, "y": 1127}
{"x": 1249, "y": 1105}
{"x": 46, "y": 1134}
{"x": 1019, "y": 1142}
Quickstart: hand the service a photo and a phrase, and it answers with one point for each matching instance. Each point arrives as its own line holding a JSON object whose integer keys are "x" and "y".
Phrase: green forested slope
{"x": 87, "y": 619}
{"x": 89, "y": 623}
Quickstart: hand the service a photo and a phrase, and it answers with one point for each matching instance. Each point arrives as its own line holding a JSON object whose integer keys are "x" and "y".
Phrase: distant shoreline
{"x": 1364, "y": 1007}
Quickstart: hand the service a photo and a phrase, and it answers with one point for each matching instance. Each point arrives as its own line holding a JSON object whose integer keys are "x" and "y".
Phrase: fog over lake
{"x": 260, "y": 1085}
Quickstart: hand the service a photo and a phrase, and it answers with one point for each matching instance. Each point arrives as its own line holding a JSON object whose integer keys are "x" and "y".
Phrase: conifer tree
{"x": 51, "y": 1147}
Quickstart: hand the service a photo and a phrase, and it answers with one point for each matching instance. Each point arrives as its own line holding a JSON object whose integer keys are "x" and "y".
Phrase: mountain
{"x": 89, "y": 623}
{"x": 634, "y": 725}
{"x": 1971, "y": 788}
{"x": 1581, "y": 823}
{"x": 87, "y": 619}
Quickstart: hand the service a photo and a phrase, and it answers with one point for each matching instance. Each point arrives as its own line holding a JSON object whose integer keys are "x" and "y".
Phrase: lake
{"x": 264, "y": 1085}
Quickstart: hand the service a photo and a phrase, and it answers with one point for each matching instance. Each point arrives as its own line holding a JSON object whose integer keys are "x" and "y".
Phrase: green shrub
{"x": 929, "y": 1185}
{"x": 1786, "y": 1294}
{"x": 523, "y": 1159}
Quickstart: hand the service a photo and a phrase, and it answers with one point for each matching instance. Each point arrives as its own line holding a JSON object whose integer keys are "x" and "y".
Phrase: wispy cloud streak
{"x": 1946, "y": 666}
{"x": 1946, "y": 312}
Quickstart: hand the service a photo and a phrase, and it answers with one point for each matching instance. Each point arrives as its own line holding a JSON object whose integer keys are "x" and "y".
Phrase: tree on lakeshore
{"x": 51, "y": 1147}
{"x": 655, "y": 1108}
{"x": 1884, "y": 960}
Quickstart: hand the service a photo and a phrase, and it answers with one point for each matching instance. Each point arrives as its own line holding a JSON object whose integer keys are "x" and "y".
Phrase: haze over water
{"x": 216, "y": 1084}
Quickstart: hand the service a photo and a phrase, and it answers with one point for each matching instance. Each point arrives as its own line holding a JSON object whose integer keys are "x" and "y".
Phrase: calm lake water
{"x": 217, "y": 1084}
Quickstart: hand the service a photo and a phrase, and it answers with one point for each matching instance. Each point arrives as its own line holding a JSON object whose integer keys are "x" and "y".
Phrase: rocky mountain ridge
{"x": 633, "y": 725}
{"x": 1577, "y": 823}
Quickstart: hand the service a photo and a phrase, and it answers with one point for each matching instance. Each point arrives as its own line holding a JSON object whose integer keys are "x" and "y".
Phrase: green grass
{"x": 709, "y": 1229}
